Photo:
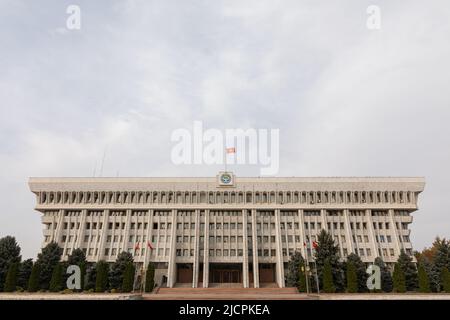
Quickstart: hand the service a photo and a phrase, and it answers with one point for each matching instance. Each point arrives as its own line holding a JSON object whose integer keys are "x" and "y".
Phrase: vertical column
{"x": 302, "y": 233}
{"x": 279, "y": 251}
{"x": 372, "y": 233}
{"x": 127, "y": 232}
{"x": 171, "y": 272}
{"x": 245, "y": 249}
{"x": 104, "y": 232}
{"x": 81, "y": 231}
{"x": 76, "y": 233}
{"x": 255, "y": 251}
{"x": 348, "y": 232}
{"x": 323, "y": 214}
{"x": 149, "y": 238}
{"x": 64, "y": 245}
{"x": 394, "y": 228}
{"x": 206, "y": 251}
{"x": 54, "y": 225}
{"x": 196, "y": 249}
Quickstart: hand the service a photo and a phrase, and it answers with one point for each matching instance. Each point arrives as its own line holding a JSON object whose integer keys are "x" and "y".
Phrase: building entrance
{"x": 184, "y": 272}
{"x": 225, "y": 273}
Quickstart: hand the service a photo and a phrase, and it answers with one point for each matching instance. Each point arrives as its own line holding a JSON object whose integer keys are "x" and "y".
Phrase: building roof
{"x": 415, "y": 184}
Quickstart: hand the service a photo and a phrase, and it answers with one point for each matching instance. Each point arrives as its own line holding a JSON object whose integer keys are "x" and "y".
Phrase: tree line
{"x": 429, "y": 274}
{"x": 48, "y": 272}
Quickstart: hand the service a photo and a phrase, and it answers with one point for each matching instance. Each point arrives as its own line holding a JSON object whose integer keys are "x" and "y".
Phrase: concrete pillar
{"x": 82, "y": 228}
{"x": 395, "y": 233}
{"x": 149, "y": 239}
{"x": 255, "y": 251}
{"x": 124, "y": 245}
{"x": 348, "y": 232}
{"x": 104, "y": 232}
{"x": 372, "y": 233}
{"x": 323, "y": 214}
{"x": 206, "y": 251}
{"x": 245, "y": 250}
{"x": 172, "y": 266}
{"x": 302, "y": 234}
{"x": 279, "y": 251}
{"x": 64, "y": 245}
{"x": 195, "y": 270}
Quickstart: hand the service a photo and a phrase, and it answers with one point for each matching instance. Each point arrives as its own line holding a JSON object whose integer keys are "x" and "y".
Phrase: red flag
{"x": 315, "y": 245}
{"x": 304, "y": 244}
{"x": 149, "y": 245}
{"x": 136, "y": 246}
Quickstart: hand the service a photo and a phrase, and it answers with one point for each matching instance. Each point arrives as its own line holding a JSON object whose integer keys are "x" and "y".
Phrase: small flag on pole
{"x": 231, "y": 150}
{"x": 315, "y": 245}
{"x": 136, "y": 247}
{"x": 304, "y": 244}
{"x": 149, "y": 245}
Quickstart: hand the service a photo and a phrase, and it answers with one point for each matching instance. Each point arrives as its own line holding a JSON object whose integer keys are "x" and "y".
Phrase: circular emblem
{"x": 225, "y": 178}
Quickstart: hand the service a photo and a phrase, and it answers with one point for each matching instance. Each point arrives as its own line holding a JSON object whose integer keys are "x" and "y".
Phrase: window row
{"x": 181, "y": 197}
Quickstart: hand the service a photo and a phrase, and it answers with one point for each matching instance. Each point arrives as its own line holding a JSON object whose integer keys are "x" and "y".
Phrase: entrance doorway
{"x": 225, "y": 273}
{"x": 266, "y": 272}
{"x": 184, "y": 272}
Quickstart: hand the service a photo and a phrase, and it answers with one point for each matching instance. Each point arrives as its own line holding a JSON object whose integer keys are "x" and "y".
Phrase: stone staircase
{"x": 224, "y": 293}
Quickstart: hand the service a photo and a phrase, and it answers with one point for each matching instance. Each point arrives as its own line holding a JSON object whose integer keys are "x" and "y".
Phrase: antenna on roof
{"x": 103, "y": 160}
{"x": 95, "y": 167}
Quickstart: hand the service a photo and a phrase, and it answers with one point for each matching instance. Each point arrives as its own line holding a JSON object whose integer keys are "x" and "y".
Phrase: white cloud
{"x": 347, "y": 100}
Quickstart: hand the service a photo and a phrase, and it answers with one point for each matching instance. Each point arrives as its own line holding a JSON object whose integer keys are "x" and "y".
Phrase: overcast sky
{"x": 348, "y": 101}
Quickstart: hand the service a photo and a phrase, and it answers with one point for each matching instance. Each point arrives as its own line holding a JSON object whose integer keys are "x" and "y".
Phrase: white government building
{"x": 226, "y": 229}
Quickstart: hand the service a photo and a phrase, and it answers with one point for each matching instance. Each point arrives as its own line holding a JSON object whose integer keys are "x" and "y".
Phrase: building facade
{"x": 226, "y": 229}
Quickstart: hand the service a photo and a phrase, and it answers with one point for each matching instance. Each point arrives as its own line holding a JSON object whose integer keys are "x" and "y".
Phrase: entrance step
{"x": 221, "y": 293}
{"x": 225, "y": 290}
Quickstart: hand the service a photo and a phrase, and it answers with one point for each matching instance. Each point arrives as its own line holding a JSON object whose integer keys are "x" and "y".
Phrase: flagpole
{"x": 306, "y": 273}
{"x": 225, "y": 160}
{"x": 317, "y": 277}
{"x": 315, "y": 267}
{"x": 144, "y": 269}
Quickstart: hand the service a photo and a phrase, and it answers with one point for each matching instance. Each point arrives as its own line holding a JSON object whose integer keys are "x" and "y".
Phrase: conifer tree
{"x": 91, "y": 274}
{"x": 150, "y": 277}
{"x": 409, "y": 270}
{"x": 9, "y": 253}
{"x": 11, "y": 277}
{"x": 433, "y": 277}
{"x": 424, "y": 283}
{"x": 352, "y": 279}
{"x": 47, "y": 260}
{"x": 328, "y": 284}
{"x": 302, "y": 278}
{"x": 56, "y": 280}
{"x": 360, "y": 270}
{"x": 292, "y": 275}
{"x": 33, "y": 282}
{"x": 327, "y": 250}
{"x": 115, "y": 276}
{"x": 128, "y": 278}
{"x": 24, "y": 273}
{"x": 441, "y": 259}
{"x": 399, "y": 279}
{"x": 445, "y": 279}
{"x": 101, "y": 279}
